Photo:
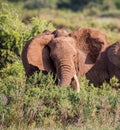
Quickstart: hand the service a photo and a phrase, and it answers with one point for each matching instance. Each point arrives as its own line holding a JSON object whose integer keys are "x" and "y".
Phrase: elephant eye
{"x": 74, "y": 55}
{"x": 102, "y": 43}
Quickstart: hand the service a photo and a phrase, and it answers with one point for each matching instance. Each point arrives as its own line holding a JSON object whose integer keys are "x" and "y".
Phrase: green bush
{"x": 38, "y": 101}
{"x": 38, "y": 26}
{"x": 14, "y": 33}
{"x": 117, "y": 3}
{"x": 78, "y": 4}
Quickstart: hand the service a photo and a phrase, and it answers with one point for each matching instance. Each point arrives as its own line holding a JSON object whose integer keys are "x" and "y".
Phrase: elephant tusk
{"x": 77, "y": 82}
{"x": 58, "y": 81}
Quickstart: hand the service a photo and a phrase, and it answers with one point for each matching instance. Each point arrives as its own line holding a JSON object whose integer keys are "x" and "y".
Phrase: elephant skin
{"x": 90, "y": 41}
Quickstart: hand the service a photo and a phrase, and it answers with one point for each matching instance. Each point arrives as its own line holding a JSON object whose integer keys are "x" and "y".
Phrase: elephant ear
{"x": 97, "y": 42}
{"x": 38, "y": 52}
{"x": 114, "y": 54}
{"x": 91, "y": 41}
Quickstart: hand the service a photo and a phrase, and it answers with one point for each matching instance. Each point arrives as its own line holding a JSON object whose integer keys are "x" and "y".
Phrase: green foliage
{"x": 38, "y": 26}
{"x": 39, "y": 102}
{"x": 38, "y": 4}
{"x": 14, "y": 33}
{"x": 117, "y": 3}
{"x": 74, "y": 5}
{"x": 78, "y": 4}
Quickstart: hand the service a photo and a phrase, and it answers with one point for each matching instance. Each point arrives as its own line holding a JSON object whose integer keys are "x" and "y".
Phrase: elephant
{"x": 34, "y": 46}
{"x": 67, "y": 56}
{"x": 107, "y": 66}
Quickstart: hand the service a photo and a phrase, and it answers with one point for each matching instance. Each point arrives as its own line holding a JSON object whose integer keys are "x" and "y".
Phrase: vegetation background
{"x": 26, "y": 105}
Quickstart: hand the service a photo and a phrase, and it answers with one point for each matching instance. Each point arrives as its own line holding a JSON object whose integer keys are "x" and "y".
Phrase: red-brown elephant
{"x": 67, "y": 56}
{"x": 107, "y": 66}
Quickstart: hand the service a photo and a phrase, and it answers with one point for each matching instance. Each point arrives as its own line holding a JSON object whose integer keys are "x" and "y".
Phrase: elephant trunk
{"x": 114, "y": 54}
{"x": 65, "y": 74}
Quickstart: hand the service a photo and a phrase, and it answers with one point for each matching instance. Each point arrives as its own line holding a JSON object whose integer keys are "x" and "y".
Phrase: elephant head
{"x": 114, "y": 54}
{"x": 107, "y": 66}
{"x": 63, "y": 53}
{"x": 91, "y": 41}
{"x": 52, "y": 52}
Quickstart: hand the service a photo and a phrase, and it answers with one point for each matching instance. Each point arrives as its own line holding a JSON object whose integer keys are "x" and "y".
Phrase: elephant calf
{"x": 107, "y": 66}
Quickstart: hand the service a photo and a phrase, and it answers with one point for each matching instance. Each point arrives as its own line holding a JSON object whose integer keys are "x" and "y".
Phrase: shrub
{"x": 45, "y": 104}
{"x": 36, "y": 4}
{"x": 38, "y": 26}
{"x": 14, "y": 33}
